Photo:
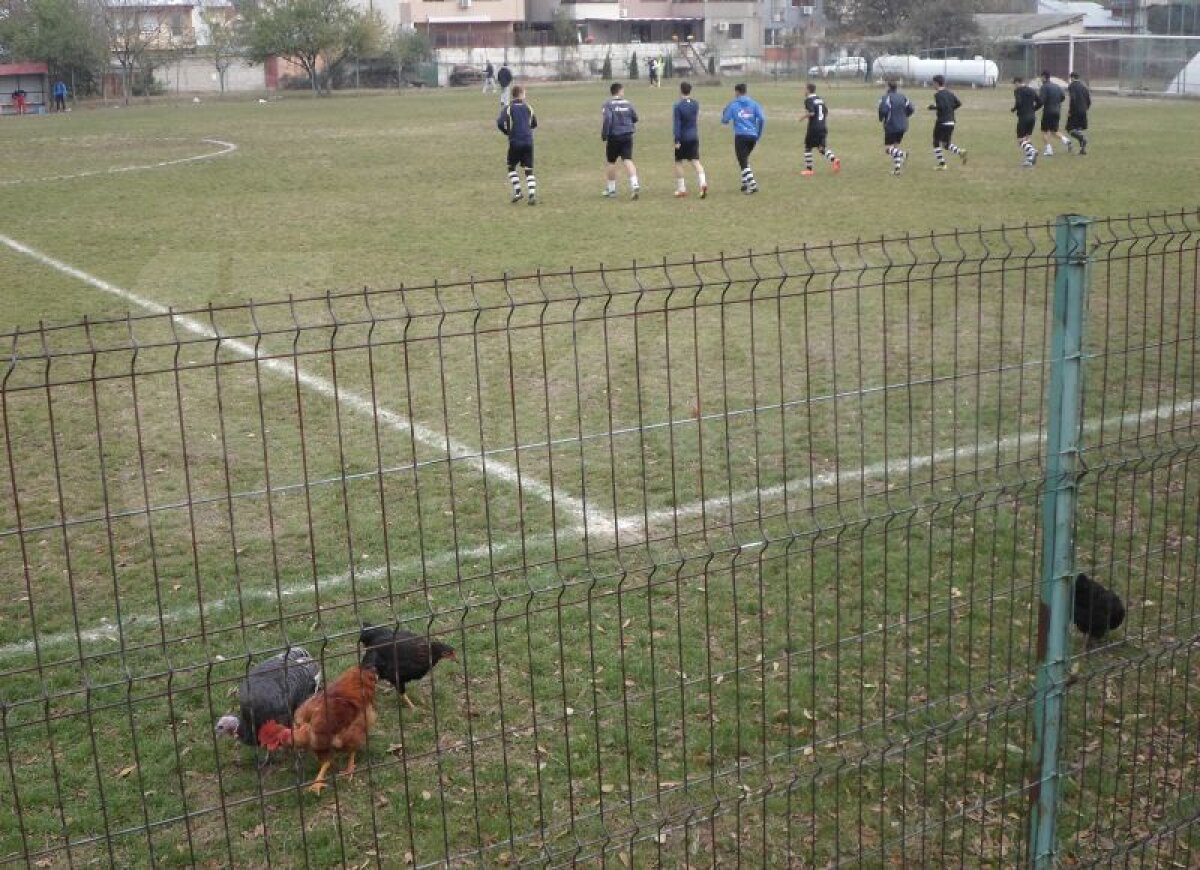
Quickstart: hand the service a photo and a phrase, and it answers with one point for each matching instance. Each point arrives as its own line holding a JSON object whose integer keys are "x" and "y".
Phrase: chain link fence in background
{"x": 743, "y": 559}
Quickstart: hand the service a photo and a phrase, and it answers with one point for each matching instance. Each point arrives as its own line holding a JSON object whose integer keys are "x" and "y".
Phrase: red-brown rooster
{"x": 336, "y": 719}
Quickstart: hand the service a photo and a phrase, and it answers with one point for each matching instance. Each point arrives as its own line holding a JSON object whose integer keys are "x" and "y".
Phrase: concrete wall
{"x": 198, "y": 75}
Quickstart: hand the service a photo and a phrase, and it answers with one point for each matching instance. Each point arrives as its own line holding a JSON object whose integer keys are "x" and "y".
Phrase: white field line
{"x": 224, "y": 148}
{"x": 587, "y": 519}
{"x": 639, "y": 525}
{"x": 108, "y": 631}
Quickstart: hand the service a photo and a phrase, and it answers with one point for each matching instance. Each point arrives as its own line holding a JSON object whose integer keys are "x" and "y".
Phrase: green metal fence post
{"x": 1063, "y": 406}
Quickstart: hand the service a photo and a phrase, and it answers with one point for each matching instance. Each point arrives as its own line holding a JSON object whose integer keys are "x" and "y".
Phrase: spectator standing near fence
{"x": 1052, "y": 97}
{"x": 517, "y": 121}
{"x": 748, "y": 122}
{"x": 945, "y": 103}
{"x": 619, "y": 121}
{"x": 489, "y": 78}
{"x": 1077, "y": 111}
{"x": 504, "y": 78}
{"x": 652, "y": 68}
{"x": 894, "y": 112}
{"x": 686, "y": 125}
{"x": 60, "y": 96}
{"x": 18, "y": 100}
{"x": 816, "y": 112}
{"x": 1025, "y": 104}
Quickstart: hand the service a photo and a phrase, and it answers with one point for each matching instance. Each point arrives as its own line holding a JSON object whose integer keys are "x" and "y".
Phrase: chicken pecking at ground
{"x": 273, "y": 690}
{"x": 400, "y": 656}
{"x": 336, "y": 719}
{"x": 1098, "y": 610}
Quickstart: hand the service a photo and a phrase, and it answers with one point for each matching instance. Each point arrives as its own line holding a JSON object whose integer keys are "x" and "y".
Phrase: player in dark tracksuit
{"x": 616, "y": 131}
{"x": 945, "y": 103}
{"x": 815, "y": 136}
{"x": 1077, "y": 111}
{"x": 517, "y": 122}
{"x": 1052, "y": 97}
{"x": 685, "y": 117}
{"x": 894, "y": 112}
{"x": 1025, "y": 104}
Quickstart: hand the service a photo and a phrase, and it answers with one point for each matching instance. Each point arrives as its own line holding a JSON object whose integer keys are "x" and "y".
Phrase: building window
{"x": 177, "y": 24}
{"x": 735, "y": 31}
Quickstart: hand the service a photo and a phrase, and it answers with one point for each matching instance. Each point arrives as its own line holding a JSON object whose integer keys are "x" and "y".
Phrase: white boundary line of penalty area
{"x": 225, "y": 148}
{"x": 108, "y": 631}
{"x": 717, "y": 504}
{"x": 586, "y": 518}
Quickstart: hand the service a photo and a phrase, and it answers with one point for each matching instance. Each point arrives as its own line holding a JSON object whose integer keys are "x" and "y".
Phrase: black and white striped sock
{"x": 808, "y": 160}
{"x": 1030, "y": 152}
{"x": 514, "y": 179}
{"x": 830, "y": 156}
{"x": 531, "y": 183}
{"x": 748, "y": 182}
{"x": 941, "y": 158}
{"x": 954, "y": 149}
{"x": 898, "y": 156}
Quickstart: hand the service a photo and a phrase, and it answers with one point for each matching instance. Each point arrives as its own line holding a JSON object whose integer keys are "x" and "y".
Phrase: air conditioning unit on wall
{"x": 623, "y": 13}
{"x": 464, "y": 4}
{"x": 722, "y": 27}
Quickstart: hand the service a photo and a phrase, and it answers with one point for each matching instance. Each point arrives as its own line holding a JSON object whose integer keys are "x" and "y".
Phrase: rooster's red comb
{"x": 272, "y": 735}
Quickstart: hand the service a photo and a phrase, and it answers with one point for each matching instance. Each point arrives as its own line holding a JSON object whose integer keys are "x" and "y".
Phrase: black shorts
{"x": 1076, "y": 122}
{"x": 618, "y": 148}
{"x": 893, "y": 137}
{"x": 520, "y": 155}
{"x": 1025, "y": 126}
{"x": 1050, "y": 122}
{"x": 742, "y": 146}
{"x": 815, "y": 139}
{"x": 942, "y": 134}
{"x": 687, "y": 151}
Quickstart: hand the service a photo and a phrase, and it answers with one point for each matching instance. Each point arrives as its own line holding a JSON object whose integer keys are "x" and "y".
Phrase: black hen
{"x": 1098, "y": 610}
{"x": 273, "y": 689}
{"x": 401, "y": 657}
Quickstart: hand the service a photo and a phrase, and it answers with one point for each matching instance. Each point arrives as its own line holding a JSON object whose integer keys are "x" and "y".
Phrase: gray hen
{"x": 272, "y": 690}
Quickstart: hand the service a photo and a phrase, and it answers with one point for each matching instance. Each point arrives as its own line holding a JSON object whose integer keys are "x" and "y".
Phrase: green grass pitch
{"x": 789, "y": 674}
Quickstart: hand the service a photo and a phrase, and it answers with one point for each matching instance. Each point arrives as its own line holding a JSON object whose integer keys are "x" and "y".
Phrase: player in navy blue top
{"x": 686, "y": 117}
{"x": 1026, "y": 102}
{"x": 945, "y": 103}
{"x": 1052, "y": 98}
{"x": 517, "y": 122}
{"x": 894, "y": 112}
{"x": 1077, "y": 111}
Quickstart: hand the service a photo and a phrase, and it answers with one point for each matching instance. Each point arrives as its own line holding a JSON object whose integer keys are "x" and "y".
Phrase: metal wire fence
{"x": 742, "y": 557}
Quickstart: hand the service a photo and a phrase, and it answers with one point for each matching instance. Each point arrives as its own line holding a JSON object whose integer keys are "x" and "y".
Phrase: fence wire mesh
{"x": 741, "y": 558}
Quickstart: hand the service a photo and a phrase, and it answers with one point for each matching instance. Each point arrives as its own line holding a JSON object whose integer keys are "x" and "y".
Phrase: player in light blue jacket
{"x": 748, "y": 121}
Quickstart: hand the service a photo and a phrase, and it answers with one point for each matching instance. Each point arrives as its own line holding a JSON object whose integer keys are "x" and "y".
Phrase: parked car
{"x": 843, "y": 66}
{"x": 465, "y": 75}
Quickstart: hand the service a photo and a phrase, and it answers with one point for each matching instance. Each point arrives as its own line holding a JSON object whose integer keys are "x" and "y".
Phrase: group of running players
{"x": 619, "y": 122}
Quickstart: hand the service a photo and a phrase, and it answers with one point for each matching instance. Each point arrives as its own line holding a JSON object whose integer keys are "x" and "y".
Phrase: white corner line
{"x": 584, "y": 517}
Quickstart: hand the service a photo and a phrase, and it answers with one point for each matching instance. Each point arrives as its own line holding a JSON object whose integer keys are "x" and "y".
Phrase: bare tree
{"x": 130, "y": 34}
{"x": 226, "y": 38}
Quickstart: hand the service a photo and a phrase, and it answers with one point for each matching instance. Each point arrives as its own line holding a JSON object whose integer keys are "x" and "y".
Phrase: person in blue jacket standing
{"x": 894, "y": 112}
{"x": 748, "y": 121}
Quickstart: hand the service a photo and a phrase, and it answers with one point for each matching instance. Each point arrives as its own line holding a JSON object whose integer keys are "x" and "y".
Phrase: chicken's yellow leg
{"x": 319, "y": 783}
{"x": 408, "y": 701}
{"x": 348, "y": 770}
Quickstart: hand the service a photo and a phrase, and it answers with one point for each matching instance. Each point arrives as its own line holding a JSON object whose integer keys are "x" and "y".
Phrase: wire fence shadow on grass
{"x": 764, "y": 557}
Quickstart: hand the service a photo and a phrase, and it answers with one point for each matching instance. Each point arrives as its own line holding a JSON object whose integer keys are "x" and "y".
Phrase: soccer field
{"x": 740, "y": 553}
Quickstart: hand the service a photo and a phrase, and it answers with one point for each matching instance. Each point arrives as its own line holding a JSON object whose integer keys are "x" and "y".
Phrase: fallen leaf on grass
{"x": 254, "y": 833}
{"x": 125, "y": 771}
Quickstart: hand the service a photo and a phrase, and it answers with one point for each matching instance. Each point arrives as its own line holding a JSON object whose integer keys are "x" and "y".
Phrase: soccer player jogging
{"x": 894, "y": 112}
{"x": 748, "y": 122}
{"x": 1052, "y": 97}
{"x": 1077, "y": 111}
{"x": 1025, "y": 104}
{"x": 517, "y": 122}
{"x": 616, "y": 130}
{"x": 945, "y": 103}
{"x": 687, "y": 140}
{"x": 814, "y": 137}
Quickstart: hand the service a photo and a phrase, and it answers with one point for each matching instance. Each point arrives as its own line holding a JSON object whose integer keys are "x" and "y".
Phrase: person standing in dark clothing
{"x": 517, "y": 122}
{"x": 504, "y": 79}
{"x": 616, "y": 131}
{"x": 945, "y": 103}
{"x": 1052, "y": 97}
{"x": 1025, "y": 104}
{"x": 489, "y": 78}
{"x": 1077, "y": 111}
